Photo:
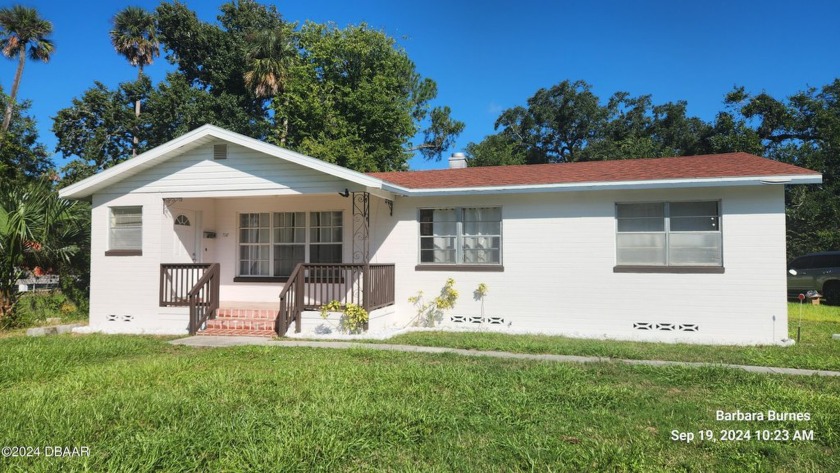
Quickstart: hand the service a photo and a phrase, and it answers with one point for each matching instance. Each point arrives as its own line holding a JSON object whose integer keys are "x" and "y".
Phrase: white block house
{"x": 207, "y": 232}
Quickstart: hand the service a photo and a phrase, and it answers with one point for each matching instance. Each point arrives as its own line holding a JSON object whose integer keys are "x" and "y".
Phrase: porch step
{"x": 251, "y": 314}
{"x": 242, "y": 322}
{"x": 236, "y": 333}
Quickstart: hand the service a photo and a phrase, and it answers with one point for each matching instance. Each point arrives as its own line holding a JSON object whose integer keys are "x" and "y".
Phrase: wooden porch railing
{"x": 193, "y": 285}
{"x": 204, "y": 298}
{"x": 312, "y": 285}
{"x": 176, "y": 281}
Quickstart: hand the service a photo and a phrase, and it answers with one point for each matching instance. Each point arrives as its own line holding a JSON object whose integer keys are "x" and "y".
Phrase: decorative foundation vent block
{"x": 475, "y": 319}
{"x": 111, "y": 317}
{"x": 666, "y": 327}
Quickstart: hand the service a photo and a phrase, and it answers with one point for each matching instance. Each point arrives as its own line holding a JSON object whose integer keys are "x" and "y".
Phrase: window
{"x": 272, "y": 244}
{"x": 125, "y": 231}
{"x": 289, "y": 242}
{"x": 669, "y": 234}
{"x": 254, "y": 244}
{"x": 325, "y": 242}
{"x": 470, "y": 236}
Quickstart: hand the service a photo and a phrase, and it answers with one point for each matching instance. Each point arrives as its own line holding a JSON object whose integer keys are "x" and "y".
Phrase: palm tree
{"x": 23, "y": 31}
{"x": 269, "y": 60}
{"x": 36, "y": 228}
{"x": 135, "y": 37}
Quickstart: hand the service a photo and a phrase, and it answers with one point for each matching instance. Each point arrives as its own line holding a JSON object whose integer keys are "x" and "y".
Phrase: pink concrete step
{"x": 251, "y": 314}
{"x": 240, "y": 324}
{"x": 237, "y": 332}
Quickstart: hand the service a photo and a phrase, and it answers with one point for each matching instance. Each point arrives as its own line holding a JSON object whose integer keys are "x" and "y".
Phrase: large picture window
{"x": 669, "y": 234}
{"x": 469, "y": 236}
{"x": 125, "y": 229}
{"x": 272, "y": 244}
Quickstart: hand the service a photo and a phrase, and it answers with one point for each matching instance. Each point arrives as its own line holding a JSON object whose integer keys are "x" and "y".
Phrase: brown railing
{"x": 204, "y": 298}
{"x": 379, "y": 290}
{"x": 312, "y": 285}
{"x": 176, "y": 281}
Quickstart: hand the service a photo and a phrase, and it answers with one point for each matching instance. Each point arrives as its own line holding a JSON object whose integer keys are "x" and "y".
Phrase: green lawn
{"x": 141, "y": 404}
{"x": 816, "y": 350}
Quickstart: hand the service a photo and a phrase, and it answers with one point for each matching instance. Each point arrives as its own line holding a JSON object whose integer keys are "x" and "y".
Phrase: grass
{"x": 141, "y": 404}
{"x": 816, "y": 350}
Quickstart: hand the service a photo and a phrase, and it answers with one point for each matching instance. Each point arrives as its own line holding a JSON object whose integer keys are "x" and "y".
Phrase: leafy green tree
{"x": 22, "y": 156}
{"x": 355, "y": 99}
{"x": 36, "y": 228}
{"x": 97, "y": 128}
{"x": 804, "y": 130}
{"x": 349, "y": 96}
{"x": 135, "y": 37}
{"x": 568, "y": 122}
{"x": 24, "y": 33}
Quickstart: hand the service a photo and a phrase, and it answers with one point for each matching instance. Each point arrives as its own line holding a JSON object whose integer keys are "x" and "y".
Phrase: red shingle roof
{"x": 687, "y": 167}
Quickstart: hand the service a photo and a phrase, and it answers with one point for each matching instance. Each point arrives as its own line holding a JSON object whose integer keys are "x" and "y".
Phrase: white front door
{"x": 186, "y": 236}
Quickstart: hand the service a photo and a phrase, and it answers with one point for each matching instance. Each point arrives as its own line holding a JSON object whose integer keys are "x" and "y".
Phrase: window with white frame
{"x": 272, "y": 244}
{"x": 254, "y": 244}
{"x": 463, "y": 235}
{"x": 289, "y": 242}
{"x": 125, "y": 229}
{"x": 669, "y": 234}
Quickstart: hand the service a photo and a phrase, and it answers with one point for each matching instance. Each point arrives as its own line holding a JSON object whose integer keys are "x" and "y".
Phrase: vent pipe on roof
{"x": 457, "y": 161}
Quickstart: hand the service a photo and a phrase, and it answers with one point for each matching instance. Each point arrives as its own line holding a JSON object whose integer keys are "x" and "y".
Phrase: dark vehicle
{"x": 815, "y": 272}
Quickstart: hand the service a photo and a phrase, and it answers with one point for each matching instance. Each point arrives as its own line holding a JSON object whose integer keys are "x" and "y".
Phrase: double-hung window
{"x": 272, "y": 244}
{"x": 465, "y": 236}
{"x": 125, "y": 231}
{"x": 669, "y": 234}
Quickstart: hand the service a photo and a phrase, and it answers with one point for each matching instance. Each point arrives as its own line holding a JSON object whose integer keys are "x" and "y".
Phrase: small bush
{"x": 34, "y": 308}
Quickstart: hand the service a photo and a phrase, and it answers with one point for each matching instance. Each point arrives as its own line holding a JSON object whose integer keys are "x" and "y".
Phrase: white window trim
{"x": 459, "y": 236}
{"x": 307, "y": 237}
{"x": 112, "y": 251}
{"x": 667, "y": 232}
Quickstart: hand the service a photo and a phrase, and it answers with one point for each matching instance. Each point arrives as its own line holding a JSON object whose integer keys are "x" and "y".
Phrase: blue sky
{"x": 488, "y": 56}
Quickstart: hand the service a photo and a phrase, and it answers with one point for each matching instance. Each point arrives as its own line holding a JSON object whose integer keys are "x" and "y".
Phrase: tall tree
{"x": 270, "y": 57}
{"x": 803, "y": 129}
{"x": 22, "y": 156}
{"x": 356, "y": 99}
{"x": 346, "y": 95}
{"x": 24, "y": 33}
{"x": 135, "y": 37}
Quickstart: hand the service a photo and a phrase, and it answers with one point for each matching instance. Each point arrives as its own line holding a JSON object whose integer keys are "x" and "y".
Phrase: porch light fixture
{"x": 346, "y": 193}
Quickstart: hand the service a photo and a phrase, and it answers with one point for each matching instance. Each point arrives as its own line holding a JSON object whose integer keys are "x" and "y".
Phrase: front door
{"x": 186, "y": 236}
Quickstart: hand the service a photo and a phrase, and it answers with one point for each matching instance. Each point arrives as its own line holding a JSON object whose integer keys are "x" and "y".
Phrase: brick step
{"x": 240, "y": 324}
{"x": 237, "y": 332}
{"x": 252, "y": 314}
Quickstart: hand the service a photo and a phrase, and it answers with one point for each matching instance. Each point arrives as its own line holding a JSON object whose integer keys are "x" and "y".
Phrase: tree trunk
{"x": 136, "y": 140}
{"x": 7, "y": 119}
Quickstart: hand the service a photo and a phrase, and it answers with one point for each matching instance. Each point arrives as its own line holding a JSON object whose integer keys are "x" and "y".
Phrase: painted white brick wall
{"x": 559, "y": 254}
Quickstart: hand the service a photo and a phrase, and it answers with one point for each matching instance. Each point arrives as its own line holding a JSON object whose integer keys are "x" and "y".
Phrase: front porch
{"x": 310, "y": 286}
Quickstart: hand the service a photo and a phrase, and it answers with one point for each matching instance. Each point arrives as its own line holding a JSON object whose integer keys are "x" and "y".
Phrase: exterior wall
{"x": 125, "y": 289}
{"x": 558, "y": 257}
{"x": 558, "y": 254}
